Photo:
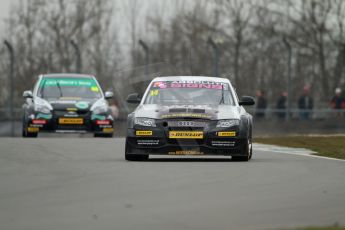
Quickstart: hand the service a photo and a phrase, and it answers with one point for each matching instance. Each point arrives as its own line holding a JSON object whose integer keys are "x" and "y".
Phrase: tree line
{"x": 248, "y": 33}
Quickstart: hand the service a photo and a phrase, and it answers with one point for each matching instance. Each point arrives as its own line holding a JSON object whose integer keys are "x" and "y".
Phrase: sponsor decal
{"x": 33, "y": 129}
{"x": 108, "y": 130}
{"x": 71, "y": 121}
{"x": 39, "y": 122}
{"x": 147, "y": 142}
{"x": 185, "y": 135}
{"x": 36, "y": 126}
{"x": 143, "y": 133}
{"x": 181, "y": 115}
{"x": 226, "y": 134}
{"x": 82, "y": 104}
{"x": 191, "y": 84}
{"x": 154, "y": 92}
{"x": 102, "y": 122}
{"x": 72, "y": 82}
{"x": 186, "y": 152}
{"x": 71, "y": 114}
{"x": 63, "y": 102}
{"x": 223, "y": 143}
{"x": 159, "y": 84}
{"x": 95, "y": 89}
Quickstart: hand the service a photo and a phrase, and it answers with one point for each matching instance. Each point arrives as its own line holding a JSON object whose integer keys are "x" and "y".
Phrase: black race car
{"x": 189, "y": 116}
{"x": 67, "y": 103}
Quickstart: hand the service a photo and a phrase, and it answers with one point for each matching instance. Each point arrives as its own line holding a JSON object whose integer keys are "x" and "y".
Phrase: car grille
{"x": 85, "y": 115}
{"x": 186, "y": 142}
{"x": 192, "y": 124}
{"x": 185, "y": 125}
{"x": 81, "y": 114}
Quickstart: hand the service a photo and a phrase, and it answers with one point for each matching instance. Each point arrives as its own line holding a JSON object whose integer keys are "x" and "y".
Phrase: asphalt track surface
{"x": 85, "y": 183}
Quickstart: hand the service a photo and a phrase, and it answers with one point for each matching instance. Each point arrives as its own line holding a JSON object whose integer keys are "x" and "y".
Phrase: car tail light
{"x": 105, "y": 122}
{"x": 39, "y": 122}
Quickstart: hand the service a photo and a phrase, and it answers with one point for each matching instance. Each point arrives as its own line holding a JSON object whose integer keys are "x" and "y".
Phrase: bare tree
{"x": 41, "y": 33}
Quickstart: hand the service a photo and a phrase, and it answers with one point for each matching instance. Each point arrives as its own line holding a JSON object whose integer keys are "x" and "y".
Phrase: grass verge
{"x": 328, "y": 146}
{"x": 322, "y": 228}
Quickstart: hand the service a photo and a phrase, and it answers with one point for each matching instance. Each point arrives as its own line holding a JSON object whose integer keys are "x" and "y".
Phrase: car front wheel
{"x": 129, "y": 156}
{"x": 104, "y": 135}
{"x": 25, "y": 132}
{"x": 247, "y": 152}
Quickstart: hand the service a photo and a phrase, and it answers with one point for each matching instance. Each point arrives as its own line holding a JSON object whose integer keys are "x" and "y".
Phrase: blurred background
{"x": 289, "y": 54}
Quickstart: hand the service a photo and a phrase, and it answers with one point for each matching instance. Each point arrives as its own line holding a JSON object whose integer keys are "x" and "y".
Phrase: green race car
{"x": 67, "y": 103}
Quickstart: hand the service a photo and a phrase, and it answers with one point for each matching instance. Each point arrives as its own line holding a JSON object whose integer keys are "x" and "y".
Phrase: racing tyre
{"x": 247, "y": 152}
{"x": 104, "y": 135}
{"x": 134, "y": 157}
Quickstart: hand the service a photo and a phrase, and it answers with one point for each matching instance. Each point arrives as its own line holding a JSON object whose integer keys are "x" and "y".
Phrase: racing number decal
{"x": 186, "y": 135}
{"x": 94, "y": 89}
{"x": 154, "y": 92}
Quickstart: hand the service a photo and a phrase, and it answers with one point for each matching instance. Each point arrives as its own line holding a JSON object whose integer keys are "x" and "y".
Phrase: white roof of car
{"x": 191, "y": 78}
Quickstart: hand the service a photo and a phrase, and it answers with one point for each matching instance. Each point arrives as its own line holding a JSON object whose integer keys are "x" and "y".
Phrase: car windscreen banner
{"x": 190, "y": 85}
{"x": 70, "y": 82}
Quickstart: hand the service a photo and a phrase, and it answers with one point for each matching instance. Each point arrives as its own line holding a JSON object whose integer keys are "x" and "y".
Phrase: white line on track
{"x": 291, "y": 151}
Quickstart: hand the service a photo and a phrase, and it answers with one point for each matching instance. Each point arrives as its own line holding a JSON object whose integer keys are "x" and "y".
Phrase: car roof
{"x": 192, "y": 78}
{"x": 64, "y": 75}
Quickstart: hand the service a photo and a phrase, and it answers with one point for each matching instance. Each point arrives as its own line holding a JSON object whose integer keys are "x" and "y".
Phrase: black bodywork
{"x": 189, "y": 118}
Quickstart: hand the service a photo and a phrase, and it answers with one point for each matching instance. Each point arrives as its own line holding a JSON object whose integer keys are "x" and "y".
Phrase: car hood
{"x": 70, "y": 103}
{"x": 211, "y": 112}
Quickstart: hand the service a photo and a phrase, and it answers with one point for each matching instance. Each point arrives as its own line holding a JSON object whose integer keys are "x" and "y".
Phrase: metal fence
{"x": 297, "y": 114}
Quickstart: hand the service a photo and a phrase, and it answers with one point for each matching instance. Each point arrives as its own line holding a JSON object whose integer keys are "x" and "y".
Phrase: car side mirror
{"x": 108, "y": 95}
{"x": 27, "y": 94}
{"x": 247, "y": 100}
{"x": 133, "y": 98}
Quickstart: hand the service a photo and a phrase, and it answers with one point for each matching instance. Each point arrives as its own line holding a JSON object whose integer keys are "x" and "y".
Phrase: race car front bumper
{"x": 58, "y": 122}
{"x": 158, "y": 141}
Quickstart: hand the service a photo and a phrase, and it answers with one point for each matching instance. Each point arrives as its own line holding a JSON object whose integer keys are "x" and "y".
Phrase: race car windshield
{"x": 201, "y": 93}
{"x": 53, "y": 88}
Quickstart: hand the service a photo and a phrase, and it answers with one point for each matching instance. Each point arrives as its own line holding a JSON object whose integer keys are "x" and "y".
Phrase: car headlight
{"x": 227, "y": 123}
{"x": 100, "y": 110}
{"x": 145, "y": 122}
{"x": 42, "y": 109}
{"x": 42, "y": 106}
{"x": 99, "y": 107}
